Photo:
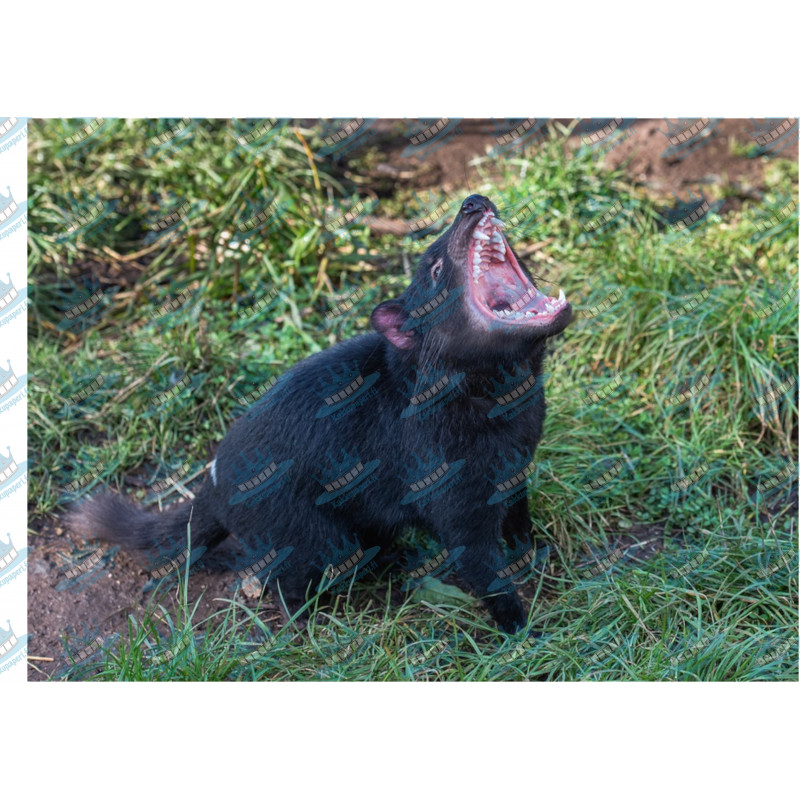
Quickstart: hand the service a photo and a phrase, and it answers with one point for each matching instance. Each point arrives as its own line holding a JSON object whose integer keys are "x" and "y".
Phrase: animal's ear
{"x": 388, "y": 319}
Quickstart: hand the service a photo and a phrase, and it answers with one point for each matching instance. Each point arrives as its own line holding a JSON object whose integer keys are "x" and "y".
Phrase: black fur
{"x": 293, "y": 429}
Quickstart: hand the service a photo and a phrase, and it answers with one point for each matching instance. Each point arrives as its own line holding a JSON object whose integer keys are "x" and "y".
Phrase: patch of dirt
{"x": 717, "y": 155}
{"x": 65, "y": 615}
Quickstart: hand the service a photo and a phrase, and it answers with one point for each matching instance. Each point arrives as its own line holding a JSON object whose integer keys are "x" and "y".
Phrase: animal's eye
{"x": 436, "y": 270}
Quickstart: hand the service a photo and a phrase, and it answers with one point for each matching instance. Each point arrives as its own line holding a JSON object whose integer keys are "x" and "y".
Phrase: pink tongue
{"x": 502, "y": 286}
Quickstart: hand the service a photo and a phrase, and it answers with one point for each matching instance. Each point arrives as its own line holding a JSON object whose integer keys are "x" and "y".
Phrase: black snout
{"x": 474, "y": 203}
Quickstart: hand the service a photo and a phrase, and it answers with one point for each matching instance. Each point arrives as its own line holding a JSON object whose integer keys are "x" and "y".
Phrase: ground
{"x": 721, "y": 168}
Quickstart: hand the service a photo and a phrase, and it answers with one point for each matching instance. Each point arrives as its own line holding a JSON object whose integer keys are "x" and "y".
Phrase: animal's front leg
{"x": 475, "y": 566}
{"x": 517, "y": 524}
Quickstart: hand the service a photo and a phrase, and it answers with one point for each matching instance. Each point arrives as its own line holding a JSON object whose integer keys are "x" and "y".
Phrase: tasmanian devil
{"x": 430, "y": 422}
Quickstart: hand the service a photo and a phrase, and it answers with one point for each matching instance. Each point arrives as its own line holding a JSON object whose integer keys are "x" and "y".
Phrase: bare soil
{"x": 62, "y": 621}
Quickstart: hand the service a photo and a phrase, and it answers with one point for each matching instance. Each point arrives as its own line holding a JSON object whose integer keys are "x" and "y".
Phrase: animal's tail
{"x": 169, "y": 537}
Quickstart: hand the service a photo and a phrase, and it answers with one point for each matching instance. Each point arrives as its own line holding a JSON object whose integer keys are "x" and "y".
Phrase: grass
{"x": 671, "y": 412}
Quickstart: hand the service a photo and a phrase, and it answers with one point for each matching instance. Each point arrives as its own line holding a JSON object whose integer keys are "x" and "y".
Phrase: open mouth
{"x": 499, "y": 290}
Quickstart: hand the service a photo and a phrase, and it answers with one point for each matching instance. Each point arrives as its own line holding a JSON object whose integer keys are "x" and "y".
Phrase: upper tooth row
{"x": 490, "y": 220}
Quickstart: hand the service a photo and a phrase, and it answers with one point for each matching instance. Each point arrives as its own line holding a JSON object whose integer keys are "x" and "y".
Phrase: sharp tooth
{"x": 561, "y": 298}
{"x": 497, "y": 237}
{"x": 476, "y": 234}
